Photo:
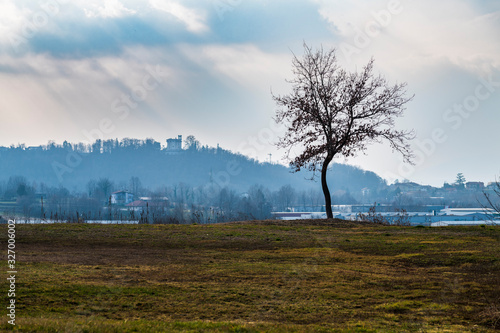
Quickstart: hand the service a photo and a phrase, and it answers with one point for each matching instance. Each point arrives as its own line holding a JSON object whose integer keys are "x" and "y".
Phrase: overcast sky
{"x": 79, "y": 70}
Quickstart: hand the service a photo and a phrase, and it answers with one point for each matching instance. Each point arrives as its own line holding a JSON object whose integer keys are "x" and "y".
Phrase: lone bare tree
{"x": 333, "y": 112}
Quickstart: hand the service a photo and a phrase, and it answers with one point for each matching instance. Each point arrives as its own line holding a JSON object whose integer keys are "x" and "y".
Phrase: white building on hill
{"x": 174, "y": 145}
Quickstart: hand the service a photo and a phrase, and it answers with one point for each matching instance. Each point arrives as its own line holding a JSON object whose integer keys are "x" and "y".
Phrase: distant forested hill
{"x": 74, "y": 165}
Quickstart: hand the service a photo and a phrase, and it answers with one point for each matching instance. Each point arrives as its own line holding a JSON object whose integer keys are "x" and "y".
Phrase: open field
{"x": 268, "y": 276}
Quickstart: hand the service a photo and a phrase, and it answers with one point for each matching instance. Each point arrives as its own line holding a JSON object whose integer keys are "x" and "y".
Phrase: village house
{"x": 145, "y": 203}
{"x": 121, "y": 198}
{"x": 476, "y": 186}
{"x": 137, "y": 206}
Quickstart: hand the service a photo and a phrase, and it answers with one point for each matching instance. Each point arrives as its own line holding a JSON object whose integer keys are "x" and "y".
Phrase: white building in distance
{"x": 174, "y": 145}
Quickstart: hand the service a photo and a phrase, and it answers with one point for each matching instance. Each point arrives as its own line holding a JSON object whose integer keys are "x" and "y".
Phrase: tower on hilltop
{"x": 174, "y": 145}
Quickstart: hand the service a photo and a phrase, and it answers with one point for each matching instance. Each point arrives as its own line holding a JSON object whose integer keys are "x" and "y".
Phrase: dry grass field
{"x": 262, "y": 276}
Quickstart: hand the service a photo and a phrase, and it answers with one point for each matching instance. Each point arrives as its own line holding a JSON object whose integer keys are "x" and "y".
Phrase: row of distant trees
{"x": 111, "y": 145}
{"x": 185, "y": 204}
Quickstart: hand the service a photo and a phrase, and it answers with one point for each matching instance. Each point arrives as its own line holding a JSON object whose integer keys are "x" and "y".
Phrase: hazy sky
{"x": 79, "y": 70}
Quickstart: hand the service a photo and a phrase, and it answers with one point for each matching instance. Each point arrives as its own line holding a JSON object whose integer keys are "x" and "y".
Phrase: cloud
{"x": 276, "y": 25}
{"x": 194, "y": 19}
{"x": 69, "y": 97}
{"x": 81, "y": 29}
{"x": 244, "y": 64}
{"x": 415, "y": 34}
{"x": 98, "y": 36}
{"x": 89, "y": 28}
{"x": 111, "y": 8}
{"x": 12, "y": 18}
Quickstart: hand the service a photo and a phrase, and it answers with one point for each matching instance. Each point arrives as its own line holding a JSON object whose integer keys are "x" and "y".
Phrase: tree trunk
{"x": 326, "y": 191}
